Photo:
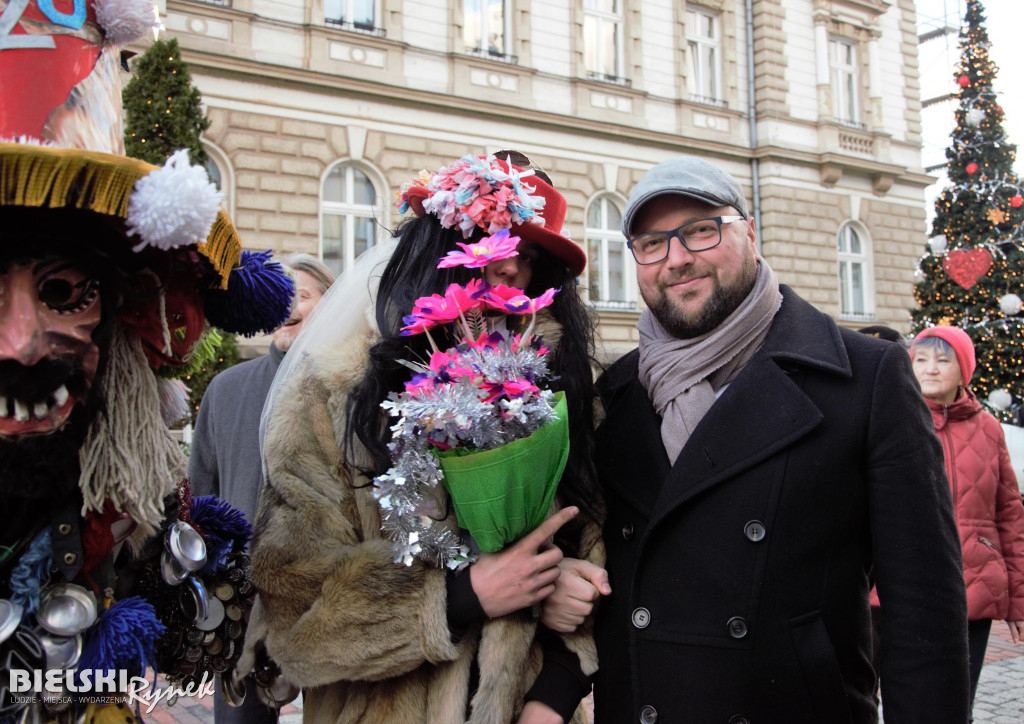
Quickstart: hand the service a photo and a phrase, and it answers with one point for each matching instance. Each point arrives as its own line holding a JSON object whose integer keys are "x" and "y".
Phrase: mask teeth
{"x": 23, "y": 411}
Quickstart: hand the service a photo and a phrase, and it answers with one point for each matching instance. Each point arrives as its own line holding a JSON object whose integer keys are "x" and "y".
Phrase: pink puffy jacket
{"x": 987, "y": 502}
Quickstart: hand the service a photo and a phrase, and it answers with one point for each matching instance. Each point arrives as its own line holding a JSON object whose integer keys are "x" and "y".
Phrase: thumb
{"x": 597, "y": 576}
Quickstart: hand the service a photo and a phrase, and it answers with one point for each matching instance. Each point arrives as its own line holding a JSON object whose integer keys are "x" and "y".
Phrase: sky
{"x": 1005, "y": 25}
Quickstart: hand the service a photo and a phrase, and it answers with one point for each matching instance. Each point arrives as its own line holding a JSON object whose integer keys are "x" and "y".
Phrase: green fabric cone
{"x": 504, "y": 493}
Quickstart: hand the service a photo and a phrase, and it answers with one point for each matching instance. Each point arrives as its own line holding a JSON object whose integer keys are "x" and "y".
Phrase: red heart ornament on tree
{"x": 967, "y": 267}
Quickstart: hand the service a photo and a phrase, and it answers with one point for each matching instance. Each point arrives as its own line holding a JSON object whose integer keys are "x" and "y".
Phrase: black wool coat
{"x": 740, "y": 574}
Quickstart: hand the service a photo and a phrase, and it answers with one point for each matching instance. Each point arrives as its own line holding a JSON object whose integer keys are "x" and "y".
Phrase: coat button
{"x": 641, "y": 619}
{"x": 648, "y": 715}
{"x": 737, "y": 627}
{"x": 754, "y": 530}
{"x": 739, "y": 719}
{"x": 627, "y": 531}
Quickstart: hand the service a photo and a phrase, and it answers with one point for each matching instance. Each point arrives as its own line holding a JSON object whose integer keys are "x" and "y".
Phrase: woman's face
{"x": 938, "y": 372}
{"x": 516, "y": 271}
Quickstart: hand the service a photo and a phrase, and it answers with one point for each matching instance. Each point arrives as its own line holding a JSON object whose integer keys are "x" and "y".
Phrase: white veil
{"x": 346, "y": 311}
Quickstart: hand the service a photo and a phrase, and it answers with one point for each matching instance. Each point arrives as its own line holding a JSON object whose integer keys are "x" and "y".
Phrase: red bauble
{"x": 967, "y": 267}
{"x": 964, "y": 81}
{"x": 971, "y": 167}
{"x": 1016, "y": 201}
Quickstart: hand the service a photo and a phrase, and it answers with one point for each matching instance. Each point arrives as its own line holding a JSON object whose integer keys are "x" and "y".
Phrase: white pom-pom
{"x": 173, "y": 206}
{"x": 938, "y": 244}
{"x": 125, "y": 21}
{"x": 1010, "y": 304}
{"x": 1000, "y": 399}
{"x": 974, "y": 117}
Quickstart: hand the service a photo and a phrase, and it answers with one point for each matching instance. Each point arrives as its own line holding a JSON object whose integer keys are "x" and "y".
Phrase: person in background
{"x": 225, "y": 457}
{"x": 987, "y": 502}
{"x": 758, "y": 462}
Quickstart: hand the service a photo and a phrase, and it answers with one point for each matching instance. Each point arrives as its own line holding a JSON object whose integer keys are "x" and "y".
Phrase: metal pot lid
{"x": 62, "y": 652}
{"x": 194, "y": 600}
{"x": 171, "y": 571}
{"x": 232, "y": 691}
{"x": 10, "y": 617}
{"x": 66, "y": 609}
{"x": 214, "y": 615}
{"x": 186, "y": 545}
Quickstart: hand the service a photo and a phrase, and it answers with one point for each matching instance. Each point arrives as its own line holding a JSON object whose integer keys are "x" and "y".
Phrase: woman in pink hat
{"x": 986, "y": 500}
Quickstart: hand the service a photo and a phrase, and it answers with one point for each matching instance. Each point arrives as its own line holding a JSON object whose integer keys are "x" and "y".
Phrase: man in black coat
{"x": 762, "y": 467}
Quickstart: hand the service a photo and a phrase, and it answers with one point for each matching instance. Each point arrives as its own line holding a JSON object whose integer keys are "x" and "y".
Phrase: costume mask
{"x": 49, "y": 309}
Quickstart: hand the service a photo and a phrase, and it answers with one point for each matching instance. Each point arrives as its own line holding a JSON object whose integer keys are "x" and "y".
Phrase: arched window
{"x": 348, "y": 202}
{"x": 610, "y": 272}
{"x": 218, "y": 168}
{"x": 856, "y": 295}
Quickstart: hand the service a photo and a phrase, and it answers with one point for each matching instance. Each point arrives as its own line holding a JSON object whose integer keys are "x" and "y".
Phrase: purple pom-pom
{"x": 224, "y": 528}
{"x": 258, "y": 298}
{"x": 124, "y": 637}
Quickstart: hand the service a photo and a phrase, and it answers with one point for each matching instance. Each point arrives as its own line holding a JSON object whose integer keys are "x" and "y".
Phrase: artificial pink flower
{"x": 496, "y": 247}
{"x": 510, "y": 388}
{"x": 435, "y": 310}
{"x": 514, "y": 301}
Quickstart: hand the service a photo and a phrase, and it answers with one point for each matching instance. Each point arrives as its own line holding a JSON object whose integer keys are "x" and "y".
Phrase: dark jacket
{"x": 741, "y": 573}
{"x": 225, "y": 459}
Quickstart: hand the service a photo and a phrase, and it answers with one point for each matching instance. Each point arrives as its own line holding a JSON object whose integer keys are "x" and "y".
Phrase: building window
{"x": 348, "y": 204}
{"x": 855, "y": 277}
{"x": 213, "y": 171}
{"x": 602, "y": 38}
{"x": 703, "y": 41}
{"x": 484, "y": 28}
{"x": 842, "y": 57}
{"x": 610, "y": 272}
{"x": 354, "y": 14}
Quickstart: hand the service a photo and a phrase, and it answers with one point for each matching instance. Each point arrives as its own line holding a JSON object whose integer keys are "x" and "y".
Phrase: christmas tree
{"x": 163, "y": 110}
{"x": 972, "y": 273}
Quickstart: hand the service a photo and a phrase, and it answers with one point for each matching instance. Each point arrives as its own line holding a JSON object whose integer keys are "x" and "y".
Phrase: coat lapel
{"x": 763, "y": 410}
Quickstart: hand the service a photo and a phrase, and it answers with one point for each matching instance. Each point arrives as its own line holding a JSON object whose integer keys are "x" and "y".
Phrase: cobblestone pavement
{"x": 1000, "y": 697}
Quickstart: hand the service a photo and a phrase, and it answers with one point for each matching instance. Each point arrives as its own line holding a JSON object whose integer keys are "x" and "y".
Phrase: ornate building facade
{"x": 320, "y": 109}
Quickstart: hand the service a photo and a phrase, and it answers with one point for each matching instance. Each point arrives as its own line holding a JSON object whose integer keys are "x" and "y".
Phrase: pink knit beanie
{"x": 961, "y": 344}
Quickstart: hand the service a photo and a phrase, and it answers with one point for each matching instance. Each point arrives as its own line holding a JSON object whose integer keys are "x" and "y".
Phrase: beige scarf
{"x": 682, "y": 375}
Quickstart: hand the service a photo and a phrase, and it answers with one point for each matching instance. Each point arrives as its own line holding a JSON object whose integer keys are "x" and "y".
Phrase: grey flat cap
{"x": 686, "y": 176}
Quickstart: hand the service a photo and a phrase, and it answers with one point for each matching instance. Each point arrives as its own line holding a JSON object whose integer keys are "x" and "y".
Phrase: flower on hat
{"x": 476, "y": 191}
{"x": 495, "y": 247}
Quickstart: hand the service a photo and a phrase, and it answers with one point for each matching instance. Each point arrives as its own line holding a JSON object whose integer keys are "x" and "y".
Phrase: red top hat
{"x": 489, "y": 193}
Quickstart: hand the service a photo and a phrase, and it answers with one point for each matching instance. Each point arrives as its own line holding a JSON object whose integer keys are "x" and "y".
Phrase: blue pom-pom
{"x": 258, "y": 297}
{"x": 32, "y": 570}
{"x": 124, "y": 637}
{"x": 224, "y": 528}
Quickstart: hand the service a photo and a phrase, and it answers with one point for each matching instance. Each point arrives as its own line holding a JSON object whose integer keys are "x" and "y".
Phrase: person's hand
{"x": 536, "y": 712}
{"x": 522, "y": 574}
{"x": 1016, "y": 631}
{"x": 575, "y": 592}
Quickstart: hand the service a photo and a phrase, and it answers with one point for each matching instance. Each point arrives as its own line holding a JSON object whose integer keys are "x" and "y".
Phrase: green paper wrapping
{"x": 502, "y": 494}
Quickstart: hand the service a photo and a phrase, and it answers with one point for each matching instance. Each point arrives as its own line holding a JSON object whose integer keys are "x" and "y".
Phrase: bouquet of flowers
{"x": 474, "y": 419}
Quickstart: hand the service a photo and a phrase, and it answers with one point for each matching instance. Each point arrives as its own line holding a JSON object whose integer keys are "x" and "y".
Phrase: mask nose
{"x": 22, "y": 335}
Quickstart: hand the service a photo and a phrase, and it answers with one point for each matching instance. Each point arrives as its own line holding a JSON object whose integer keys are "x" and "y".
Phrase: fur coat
{"x": 368, "y": 639}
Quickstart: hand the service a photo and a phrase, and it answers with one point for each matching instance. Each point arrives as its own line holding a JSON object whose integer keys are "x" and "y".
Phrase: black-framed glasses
{"x": 697, "y": 235}
{"x": 520, "y": 159}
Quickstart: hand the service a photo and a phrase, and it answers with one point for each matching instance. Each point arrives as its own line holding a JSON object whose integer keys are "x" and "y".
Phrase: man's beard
{"x": 722, "y": 302}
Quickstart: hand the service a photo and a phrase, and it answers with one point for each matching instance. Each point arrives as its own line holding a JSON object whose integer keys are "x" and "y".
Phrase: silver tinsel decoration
{"x": 452, "y": 413}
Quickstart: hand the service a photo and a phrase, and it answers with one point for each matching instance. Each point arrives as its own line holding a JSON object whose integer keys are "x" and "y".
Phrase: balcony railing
{"x": 613, "y": 79}
{"x": 709, "y": 101}
{"x": 493, "y": 55}
{"x": 357, "y": 27}
{"x": 218, "y": 3}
